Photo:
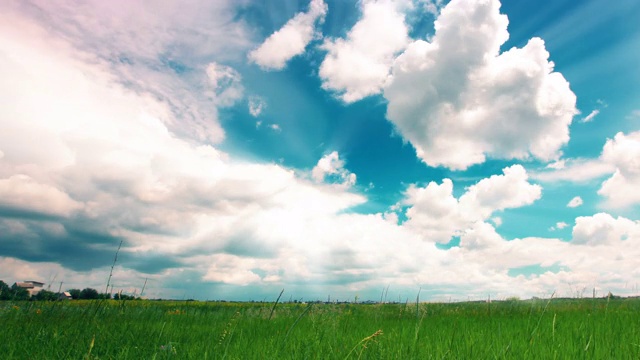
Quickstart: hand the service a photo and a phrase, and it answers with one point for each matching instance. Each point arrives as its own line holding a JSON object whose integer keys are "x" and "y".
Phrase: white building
{"x": 33, "y": 287}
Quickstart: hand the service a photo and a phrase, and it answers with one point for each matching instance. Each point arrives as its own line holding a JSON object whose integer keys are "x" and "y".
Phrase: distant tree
{"x": 75, "y": 293}
{"x": 45, "y": 295}
{"x": 610, "y": 296}
{"x": 105, "y": 296}
{"x": 119, "y": 296}
{"x": 89, "y": 294}
{"x": 5, "y": 291}
{"x": 19, "y": 293}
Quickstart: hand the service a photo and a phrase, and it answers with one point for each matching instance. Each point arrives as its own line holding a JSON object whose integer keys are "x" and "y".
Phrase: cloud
{"x": 561, "y": 225}
{"x": 430, "y": 6}
{"x": 623, "y": 152}
{"x": 291, "y": 39}
{"x": 575, "y": 202}
{"x": 226, "y": 83}
{"x": 358, "y": 66}
{"x": 331, "y": 168}
{"x": 458, "y": 100}
{"x": 256, "y": 105}
{"x": 557, "y": 165}
{"x": 603, "y": 228}
{"x": 635, "y": 114}
{"x": 231, "y": 269}
{"x": 163, "y": 53}
{"x": 618, "y": 160}
{"x": 575, "y": 170}
{"x": 591, "y": 116}
{"x": 21, "y": 193}
{"x": 498, "y": 192}
{"x": 108, "y": 169}
{"x": 437, "y": 215}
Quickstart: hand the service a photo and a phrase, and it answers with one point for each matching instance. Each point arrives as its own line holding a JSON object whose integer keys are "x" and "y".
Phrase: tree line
{"x": 15, "y": 292}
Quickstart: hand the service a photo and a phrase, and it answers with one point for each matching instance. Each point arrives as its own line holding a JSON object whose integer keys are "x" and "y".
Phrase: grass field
{"x": 533, "y": 329}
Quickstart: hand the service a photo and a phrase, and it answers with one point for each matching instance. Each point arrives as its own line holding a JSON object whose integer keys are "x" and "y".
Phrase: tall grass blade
{"x": 274, "y": 304}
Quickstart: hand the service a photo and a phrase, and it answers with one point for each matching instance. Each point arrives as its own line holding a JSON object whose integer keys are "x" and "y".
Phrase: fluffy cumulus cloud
{"x": 436, "y": 214}
{"x": 618, "y": 161}
{"x": 602, "y": 229}
{"x": 358, "y": 65}
{"x": 622, "y": 152}
{"x": 457, "y": 99}
{"x": 291, "y": 39}
{"x": 330, "y": 168}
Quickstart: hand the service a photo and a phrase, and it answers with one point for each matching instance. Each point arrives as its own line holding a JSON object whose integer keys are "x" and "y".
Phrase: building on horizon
{"x": 33, "y": 287}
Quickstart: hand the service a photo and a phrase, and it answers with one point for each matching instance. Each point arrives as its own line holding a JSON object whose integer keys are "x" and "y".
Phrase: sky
{"x": 370, "y": 149}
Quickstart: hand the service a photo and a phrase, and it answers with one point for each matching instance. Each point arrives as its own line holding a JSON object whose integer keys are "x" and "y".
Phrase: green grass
{"x": 541, "y": 329}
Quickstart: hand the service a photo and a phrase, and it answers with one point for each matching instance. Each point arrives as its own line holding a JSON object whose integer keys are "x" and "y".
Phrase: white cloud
{"x": 256, "y": 105}
{"x": 623, "y": 152}
{"x": 226, "y": 83}
{"x": 480, "y": 235}
{"x": 331, "y": 168}
{"x": 619, "y": 159}
{"x": 575, "y": 170}
{"x": 603, "y": 228}
{"x": 163, "y": 53}
{"x": 561, "y": 225}
{"x": 557, "y": 165}
{"x": 291, "y": 39}
{"x": 358, "y": 66}
{"x": 107, "y": 159}
{"x": 275, "y": 127}
{"x": 497, "y": 221}
{"x": 498, "y": 192}
{"x": 575, "y": 202}
{"x": 22, "y": 193}
{"x": 591, "y": 116}
{"x": 437, "y": 215}
{"x": 431, "y": 6}
{"x": 231, "y": 269}
{"x": 458, "y": 100}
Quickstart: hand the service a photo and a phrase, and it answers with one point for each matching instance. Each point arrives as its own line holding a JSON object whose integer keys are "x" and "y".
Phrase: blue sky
{"x": 330, "y": 148}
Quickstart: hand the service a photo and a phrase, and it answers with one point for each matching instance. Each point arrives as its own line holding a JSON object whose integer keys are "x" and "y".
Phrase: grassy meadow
{"x": 144, "y": 329}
